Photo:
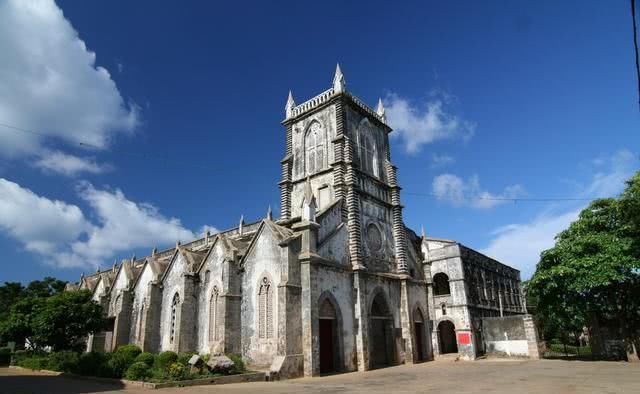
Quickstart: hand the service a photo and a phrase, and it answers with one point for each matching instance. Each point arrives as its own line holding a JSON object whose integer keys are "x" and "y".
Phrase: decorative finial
{"x": 115, "y": 265}
{"x": 207, "y": 235}
{"x": 381, "y": 111}
{"x": 154, "y": 251}
{"x": 241, "y": 225}
{"x": 423, "y": 233}
{"x": 308, "y": 203}
{"x": 178, "y": 243}
{"x": 338, "y": 80}
{"x": 291, "y": 104}
{"x": 269, "y": 213}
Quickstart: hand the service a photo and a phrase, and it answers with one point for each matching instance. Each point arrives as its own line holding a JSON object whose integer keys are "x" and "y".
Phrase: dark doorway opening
{"x": 447, "y": 336}
{"x": 329, "y": 341}
{"x": 381, "y": 344}
{"x": 326, "y": 346}
{"x": 418, "y": 332}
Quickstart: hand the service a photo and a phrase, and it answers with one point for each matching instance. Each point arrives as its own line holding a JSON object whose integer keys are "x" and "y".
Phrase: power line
{"x": 515, "y": 200}
{"x": 543, "y": 199}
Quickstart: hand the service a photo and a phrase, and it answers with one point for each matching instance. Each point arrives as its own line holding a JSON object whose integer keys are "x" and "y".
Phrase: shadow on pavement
{"x": 41, "y": 384}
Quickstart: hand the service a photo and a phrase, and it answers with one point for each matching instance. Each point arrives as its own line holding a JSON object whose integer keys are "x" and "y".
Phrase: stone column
{"x": 187, "y": 333}
{"x": 361, "y": 320}
{"x": 285, "y": 183}
{"x": 230, "y": 307}
{"x": 151, "y": 331}
{"x": 531, "y": 333}
{"x": 309, "y": 297}
{"x": 123, "y": 320}
{"x": 405, "y": 324}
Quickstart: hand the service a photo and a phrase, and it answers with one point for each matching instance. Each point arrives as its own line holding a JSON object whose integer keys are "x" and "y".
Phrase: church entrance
{"x": 447, "y": 336}
{"x": 328, "y": 335}
{"x": 380, "y": 334}
{"x": 418, "y": 332}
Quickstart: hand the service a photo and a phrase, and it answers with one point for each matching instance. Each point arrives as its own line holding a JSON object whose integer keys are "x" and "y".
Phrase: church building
{"x": 337, "y": 283}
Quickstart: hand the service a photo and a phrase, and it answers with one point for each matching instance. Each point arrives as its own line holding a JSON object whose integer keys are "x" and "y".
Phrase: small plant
{"x": 146, "y": 357}
{"x": 35, "y": 362}
{"x": 177, "y": 371}
{"x": 183, "y": 358}
{"x": 138, "y": 371}
{"x": 238, "y": 364}
{"x": 165, "y": 359}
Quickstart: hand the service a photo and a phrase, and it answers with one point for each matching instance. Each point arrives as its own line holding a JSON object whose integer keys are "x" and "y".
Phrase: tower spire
{"x": 339, "y": 83}
{"x": 381, "y": 111}
{"x": 288, "y": 108}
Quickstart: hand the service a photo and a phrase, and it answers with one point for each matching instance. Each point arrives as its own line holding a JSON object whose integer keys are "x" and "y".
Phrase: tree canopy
{"x": 594, "y": 268}
{"x": 42, "y": 314}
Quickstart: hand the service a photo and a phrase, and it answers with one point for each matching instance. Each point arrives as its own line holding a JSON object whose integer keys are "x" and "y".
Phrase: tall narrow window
{"x": 140, "y": 322}
{"x": 213, "y": 314}
{"x": 174, "y": 313}
{"x": 368, "y": 150}
{"x": 265, "y": 309}
{"x": 314, "y": 143}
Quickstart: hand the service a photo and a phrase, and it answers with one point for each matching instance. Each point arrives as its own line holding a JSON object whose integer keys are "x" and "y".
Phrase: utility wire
{"x": 635, "y": 44}
{"x": 405, "y": 192}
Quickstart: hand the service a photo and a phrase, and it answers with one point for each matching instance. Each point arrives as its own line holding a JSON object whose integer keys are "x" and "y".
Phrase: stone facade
{"x": 336, "y": 284}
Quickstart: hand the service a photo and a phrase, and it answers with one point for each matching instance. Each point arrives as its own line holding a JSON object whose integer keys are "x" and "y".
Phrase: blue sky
{"x": 182, "y": 107}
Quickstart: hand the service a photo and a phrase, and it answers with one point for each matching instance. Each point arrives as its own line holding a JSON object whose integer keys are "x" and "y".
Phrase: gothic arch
{"x": 214, "y": 312}
{"x": 441, "y": 285}
{"x": 174, "y": 323}
{"x": 420, "y": 337}
{"x": 315, "y": 148}
{"x": 382, "y": 351}
{"x": 265, "y": 296}
{"x": 330, "y": 333}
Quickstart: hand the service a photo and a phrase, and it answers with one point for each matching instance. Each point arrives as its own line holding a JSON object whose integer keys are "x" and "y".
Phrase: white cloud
{"x": 51, "y": 84}
{"x": 441, "y": 160}
{"x": 520, "y": 245}
{"x": 64, "y": 236}
{"x": 69, "y": 165}
{"x": 421, "y": 126}
{"x": 453, "y": 189}
{"x": 39, "y": 223}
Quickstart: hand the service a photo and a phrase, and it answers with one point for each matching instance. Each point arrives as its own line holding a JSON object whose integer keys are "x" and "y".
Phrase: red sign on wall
{"x": 464, "y": 338}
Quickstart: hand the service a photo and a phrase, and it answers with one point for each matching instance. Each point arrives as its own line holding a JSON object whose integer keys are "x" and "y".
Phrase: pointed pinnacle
{"x": 423, "y": 233}
{"x": 338, "y": 80}
{"x": 269, "y": 214}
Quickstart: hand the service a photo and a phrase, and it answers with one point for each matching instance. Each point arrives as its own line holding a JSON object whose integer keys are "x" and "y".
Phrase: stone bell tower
{"x": 342, "y": 147}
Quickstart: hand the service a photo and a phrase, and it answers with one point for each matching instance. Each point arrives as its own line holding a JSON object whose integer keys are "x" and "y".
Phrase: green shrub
{"x": 178, "y": 371}
{"x": 93, "y": 364}
{"x": 122, "y": 359}
{"x": 34, "y": 362}
{"x": 5, "y": 356}
{"x": 138, "y": 371}
{"x": 205, "y": 358}
{"x": 165, "y": 359}
{"x": 145, "y": 357}
{"x": 64, "y": 361}
{"x": 129, "y": 352}
{"x": 183, "y": 358}
{"x": 238, "y": 366}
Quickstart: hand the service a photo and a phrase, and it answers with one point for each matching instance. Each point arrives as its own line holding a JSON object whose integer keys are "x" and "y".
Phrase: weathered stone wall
{"x": 264, "y": 259}
{"x": 210, "y": 276}
{"x": 140, "y": 294}
{"x": 511, "y": 336}
{"x": 173, "y": 284}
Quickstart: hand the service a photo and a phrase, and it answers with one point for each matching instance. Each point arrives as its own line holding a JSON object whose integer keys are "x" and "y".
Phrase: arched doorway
{"x": 447, "y": 337}
{"x": 380, "y": 333}
{"x": 328, "y": 327}
{"x": 418, "y": 332}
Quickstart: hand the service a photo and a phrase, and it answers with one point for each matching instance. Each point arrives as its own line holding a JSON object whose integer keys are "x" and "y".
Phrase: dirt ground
{"x": 445, "y": 376}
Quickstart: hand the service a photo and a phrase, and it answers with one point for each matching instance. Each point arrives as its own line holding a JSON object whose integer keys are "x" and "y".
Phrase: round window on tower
{"x": 374, "y": 238}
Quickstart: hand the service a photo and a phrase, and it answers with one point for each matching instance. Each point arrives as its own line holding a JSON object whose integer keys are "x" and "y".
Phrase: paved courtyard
{"x": 436, "y": 377}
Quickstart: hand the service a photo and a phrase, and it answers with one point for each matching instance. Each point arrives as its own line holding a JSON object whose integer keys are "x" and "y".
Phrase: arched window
{"x": 368, "y": 150}
{"x": 441, "y": 284}
{"x": 213, "y": 314}
{"x": 174, "y": 312}
{"x": 315, "y": 149}
{"x": 265, "y": 309}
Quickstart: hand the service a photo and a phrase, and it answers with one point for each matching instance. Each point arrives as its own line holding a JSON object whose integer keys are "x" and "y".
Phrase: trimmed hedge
{"x": 138, "y": 371}
{"x": 165, "y": 359}
{"x": 147, "y": 358}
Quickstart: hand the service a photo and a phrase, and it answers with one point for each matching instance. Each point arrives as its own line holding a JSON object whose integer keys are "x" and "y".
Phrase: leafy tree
{"x": 59, "y": 321}
{"x": 593, "y": 271}
{"x": 10, "y": 293}
{"x": 44, "y": 288}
